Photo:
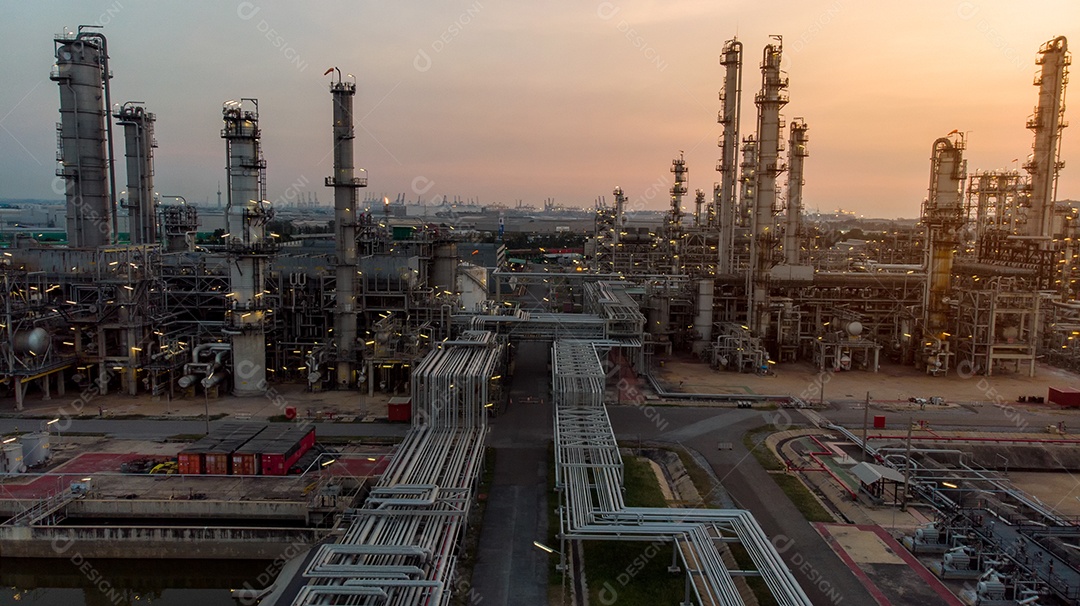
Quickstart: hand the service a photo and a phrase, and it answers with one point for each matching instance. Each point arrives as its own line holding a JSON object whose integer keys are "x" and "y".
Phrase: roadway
{"x": 509, "y": 569}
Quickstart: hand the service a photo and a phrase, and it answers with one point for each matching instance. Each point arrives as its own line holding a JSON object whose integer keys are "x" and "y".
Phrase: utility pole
{"x": 907, "y": 466}
{"x": 865, "y": 417}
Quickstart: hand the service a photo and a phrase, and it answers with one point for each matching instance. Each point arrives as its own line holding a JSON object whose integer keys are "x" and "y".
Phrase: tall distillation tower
{"x": 345, "y": 183}
{"x": 724, "y": 195}
{"x": 85, "y": 154}
{"x": 675, "y": 218}
{"x": 139, "y": 143}
{"x": 1047, "y": 122}
{"x": 247, "y": 214}
{"x": 797, "y": 153}
{"x": 769, "y": 101}
{"x": 944, "y": 216}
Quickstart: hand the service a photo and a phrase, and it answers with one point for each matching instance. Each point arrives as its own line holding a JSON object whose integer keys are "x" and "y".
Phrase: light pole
{"x": 59, "y": 438}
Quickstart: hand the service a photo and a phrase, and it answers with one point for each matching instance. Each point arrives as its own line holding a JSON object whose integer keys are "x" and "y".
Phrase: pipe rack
{"x": 589, "y": 474}
{"x": 401, "y": 547}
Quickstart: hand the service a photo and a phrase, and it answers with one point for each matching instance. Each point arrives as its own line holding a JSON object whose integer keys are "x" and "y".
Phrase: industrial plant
{"x": 145, "y": 295}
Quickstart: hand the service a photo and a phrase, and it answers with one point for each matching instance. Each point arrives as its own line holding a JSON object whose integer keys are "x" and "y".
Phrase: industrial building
{"x": 984, "y": 283}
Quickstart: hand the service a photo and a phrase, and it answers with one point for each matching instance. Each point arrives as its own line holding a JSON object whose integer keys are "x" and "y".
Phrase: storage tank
{"x": 34, "y": 341}
{"x": 11, "y": 458}
{"x": 35, "y": 448}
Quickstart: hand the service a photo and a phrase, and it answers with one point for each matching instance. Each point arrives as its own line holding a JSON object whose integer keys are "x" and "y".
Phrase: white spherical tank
{"x": 11, "y": 458}
{"x": 35, "y": 448}
{"x": 854, "y": 329}
{"x": 34, "y": 341}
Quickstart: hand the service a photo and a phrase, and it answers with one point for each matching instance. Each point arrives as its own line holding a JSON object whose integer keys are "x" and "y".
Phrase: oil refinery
{"x": 426, "y": 310}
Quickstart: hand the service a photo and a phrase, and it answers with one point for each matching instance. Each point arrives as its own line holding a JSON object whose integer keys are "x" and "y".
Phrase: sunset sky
{"x": 503, "y": 101}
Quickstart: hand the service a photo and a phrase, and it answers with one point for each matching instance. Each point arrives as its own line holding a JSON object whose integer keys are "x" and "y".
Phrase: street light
{"x": 546, "y": 548}
{"x": 59, "y": 438}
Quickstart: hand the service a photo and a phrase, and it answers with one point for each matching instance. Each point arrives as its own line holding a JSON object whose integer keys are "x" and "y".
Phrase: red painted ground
{"x": 359, "y": 466}
{"x": 916, "y": 566}
{"x": 87, "y": 464}
{"x": 60, "y": 477}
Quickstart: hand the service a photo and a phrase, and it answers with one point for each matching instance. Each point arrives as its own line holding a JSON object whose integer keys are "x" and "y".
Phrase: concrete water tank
{"x": 34, "y": 341}
{"x": 35, "y": 448}
{"x": 11, "y": 458}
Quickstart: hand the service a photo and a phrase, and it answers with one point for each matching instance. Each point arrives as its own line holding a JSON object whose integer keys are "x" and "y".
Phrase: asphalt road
{"x": 509, "y": 569}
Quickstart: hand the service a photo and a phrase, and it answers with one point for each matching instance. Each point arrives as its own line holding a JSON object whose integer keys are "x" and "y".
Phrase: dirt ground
{"x": 324, "y": 405}
{"x": 1060, "y": 490}
{"x": 891, "y": 382}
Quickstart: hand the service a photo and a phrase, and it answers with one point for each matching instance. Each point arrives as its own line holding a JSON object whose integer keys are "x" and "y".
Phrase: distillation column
{"x": 769, "y": 101}
{"x": 1047, "y": 123}
{"x": 82, "y": 73}
{"x": 345, "y": 184}
{"x": 139, "y": 144}
{"x": 797, "y": 154}
{"x": 674, "y": 232}
{"x": 944, "y": 216}
{"x": 730, "y": 98}
{"x": 247, "y": 214}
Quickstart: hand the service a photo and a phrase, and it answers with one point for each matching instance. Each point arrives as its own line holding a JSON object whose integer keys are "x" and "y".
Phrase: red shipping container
{"x": 399, "y": 410}
{"x": 217, "y": 463}
{"x": 190, "y": 462}
{"x": 1069, "y": 398}
{"x": 273, "y": 464}
{"x": 245, "y": 464}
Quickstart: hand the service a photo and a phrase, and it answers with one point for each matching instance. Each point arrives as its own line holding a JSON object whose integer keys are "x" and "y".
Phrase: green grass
{"x": 756, "y": 584}
{"x": 754, "y": 441}
{"x": 642, "y": 488}
{"x": 800, "y": 495}
{"x": 796, "y": 490}
{"x": 802, "y": 498}
{"x": 634, "y": 571}
{"x": 702, "y": 480}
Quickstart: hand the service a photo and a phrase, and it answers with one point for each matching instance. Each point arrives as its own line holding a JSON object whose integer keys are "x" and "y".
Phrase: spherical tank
{"x": 34, "y": 341}
{"x": 35, "y": 448}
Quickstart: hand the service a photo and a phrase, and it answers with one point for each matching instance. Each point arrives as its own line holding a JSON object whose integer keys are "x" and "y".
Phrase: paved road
{"x": 823, "y": 576}
{"x": 509, "y": 569}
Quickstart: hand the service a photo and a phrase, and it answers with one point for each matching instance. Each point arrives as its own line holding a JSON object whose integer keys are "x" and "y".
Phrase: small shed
{"x": 876, "y": 480}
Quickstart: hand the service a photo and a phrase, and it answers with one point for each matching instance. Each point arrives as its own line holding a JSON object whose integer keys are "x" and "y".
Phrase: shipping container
{"x": 217, "y": 463}
{"x": 212, "y": 454}
{"x": 246, "y": 463}
{"x": 278, "y": 457}
{"x": 399, "y": 410}
{"x": 190, "y": 462}
{"x": 1069, "y": 398}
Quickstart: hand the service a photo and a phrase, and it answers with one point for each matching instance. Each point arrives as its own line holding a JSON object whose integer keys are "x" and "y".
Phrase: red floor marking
{"x": 859, "y": 573}
{"x": 913, "y": 563}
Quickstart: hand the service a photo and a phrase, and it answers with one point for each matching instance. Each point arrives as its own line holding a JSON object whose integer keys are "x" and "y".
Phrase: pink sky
{"x": 566, "y": 99}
